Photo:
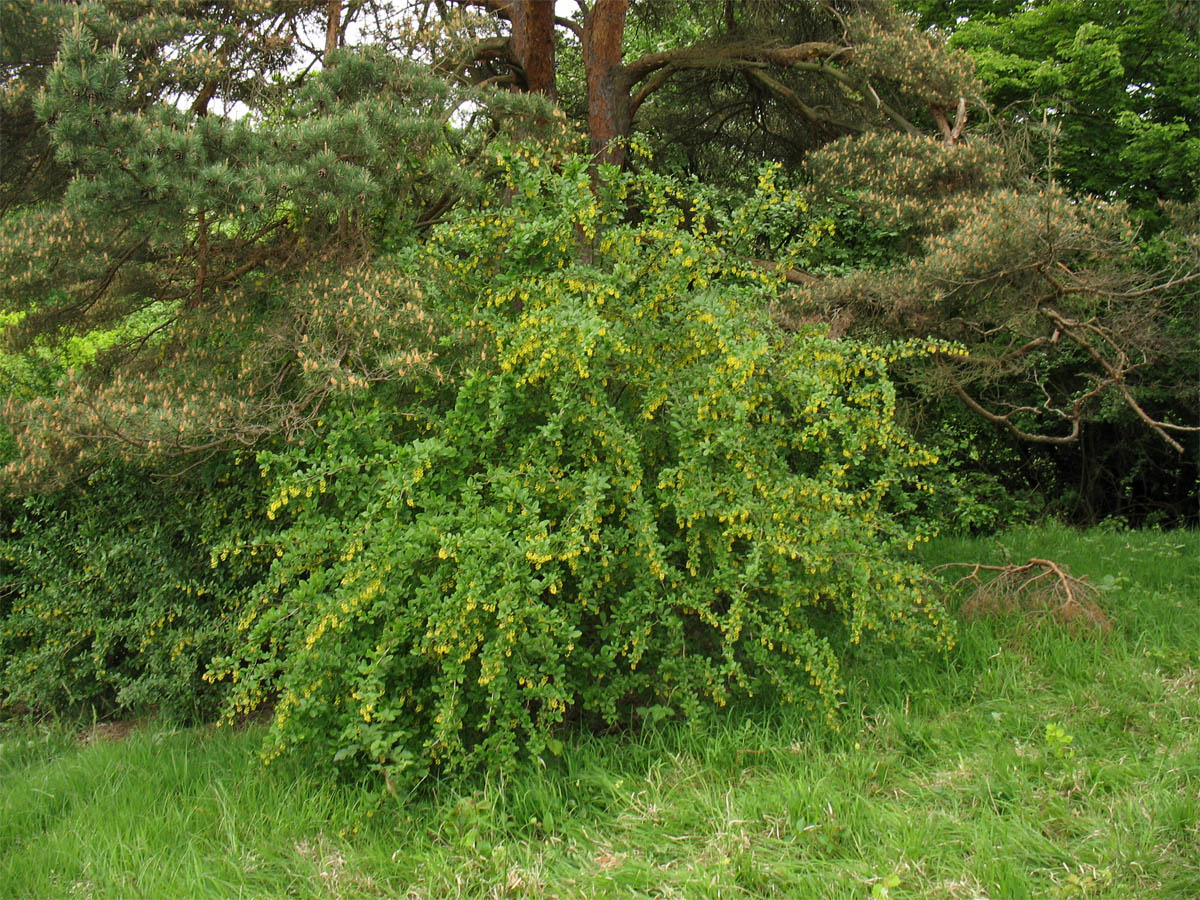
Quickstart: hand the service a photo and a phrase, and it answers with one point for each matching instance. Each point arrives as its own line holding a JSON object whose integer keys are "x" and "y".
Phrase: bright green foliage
{"x": 1116, "y": 81}
{"x": 637, "y": 492}
{"x": 106, "y": 598}
{"x": 946, "y": 763}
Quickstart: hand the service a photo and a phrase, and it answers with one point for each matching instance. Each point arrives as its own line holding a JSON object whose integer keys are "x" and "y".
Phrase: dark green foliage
{"x": 108, "y": 600}
{"x": 213, "y": 53}
{"x": 984, "y": 481}
{"x": 720, "y": 120}
{"x": 27, "y": 51}
{"x": 1082, "y": 342}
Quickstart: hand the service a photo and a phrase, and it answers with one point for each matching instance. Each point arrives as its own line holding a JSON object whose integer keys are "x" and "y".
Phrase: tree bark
{"x": 333, "y": 26}
{"x": 533, "y": 42}
{"x": 609, "y": 116}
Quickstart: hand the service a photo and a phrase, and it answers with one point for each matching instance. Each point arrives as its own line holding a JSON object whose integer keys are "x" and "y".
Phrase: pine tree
{"x": 250, "y": 248}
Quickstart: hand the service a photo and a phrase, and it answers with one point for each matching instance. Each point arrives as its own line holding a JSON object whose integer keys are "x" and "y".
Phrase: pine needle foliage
{"x": 259, "y": 240}
{"x": 722, "y": 112}
{"x": 1069, "y": 311}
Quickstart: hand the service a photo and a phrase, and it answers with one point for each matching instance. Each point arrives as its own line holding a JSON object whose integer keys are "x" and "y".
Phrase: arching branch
{"x": 1078, "y": 332}
{"x": 792, "y": 99}
{"x": 1005, "y": 421}
{"x": 706, "y": 56}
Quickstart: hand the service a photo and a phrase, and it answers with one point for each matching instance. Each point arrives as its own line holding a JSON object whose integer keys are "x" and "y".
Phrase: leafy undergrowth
{"x": 1031, "y": 763}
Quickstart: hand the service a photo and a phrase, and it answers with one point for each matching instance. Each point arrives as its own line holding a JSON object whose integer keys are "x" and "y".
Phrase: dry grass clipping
{"x": 1037, "y": 592}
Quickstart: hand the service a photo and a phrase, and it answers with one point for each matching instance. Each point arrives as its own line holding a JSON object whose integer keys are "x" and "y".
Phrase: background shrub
{"x": 108, "y": 600}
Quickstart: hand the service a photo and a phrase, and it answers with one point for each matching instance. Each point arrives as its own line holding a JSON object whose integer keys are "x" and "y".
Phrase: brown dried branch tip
{"x": 1041, "y": 590}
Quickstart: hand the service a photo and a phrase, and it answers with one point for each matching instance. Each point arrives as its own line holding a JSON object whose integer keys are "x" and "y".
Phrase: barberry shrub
{"x": 629, "y": 488}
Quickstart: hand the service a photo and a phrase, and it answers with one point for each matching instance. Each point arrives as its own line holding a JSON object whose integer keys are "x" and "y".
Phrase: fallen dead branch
{"x": 1040, "y": 590}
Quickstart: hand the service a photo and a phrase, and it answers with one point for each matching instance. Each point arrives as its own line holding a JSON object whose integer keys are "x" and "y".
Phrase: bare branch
{"x": 1006, "y": 422}
{"x": 793, "y": 100}
{"x": 950, "y": 135}
{"x": 572, "y": 27}
{"x": 960, "y": 120}
{"x": 790, "y": 275}
{"x": 488, "y": 48}
{"x": 1039, "y": 588}
{"x": 733, "y": 54}
{"x": 661, "y": 77}
{"x": 1075, "y": 330}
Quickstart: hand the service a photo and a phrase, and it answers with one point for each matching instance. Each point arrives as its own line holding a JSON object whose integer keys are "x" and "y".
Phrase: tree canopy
{"x": 1109, "y": 89}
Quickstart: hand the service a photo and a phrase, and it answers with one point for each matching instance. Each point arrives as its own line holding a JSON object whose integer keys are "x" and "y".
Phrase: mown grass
{"x": 1027, "y": 764}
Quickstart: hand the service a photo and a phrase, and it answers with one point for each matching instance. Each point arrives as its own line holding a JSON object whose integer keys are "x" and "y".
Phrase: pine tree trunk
{"x": 533, "y": 43}
{"x": 333, "y": 26}
{"x": 609, "y": 115}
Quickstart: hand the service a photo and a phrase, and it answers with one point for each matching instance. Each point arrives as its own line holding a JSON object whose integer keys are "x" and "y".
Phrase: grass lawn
{"x": 1030, "y": 763}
